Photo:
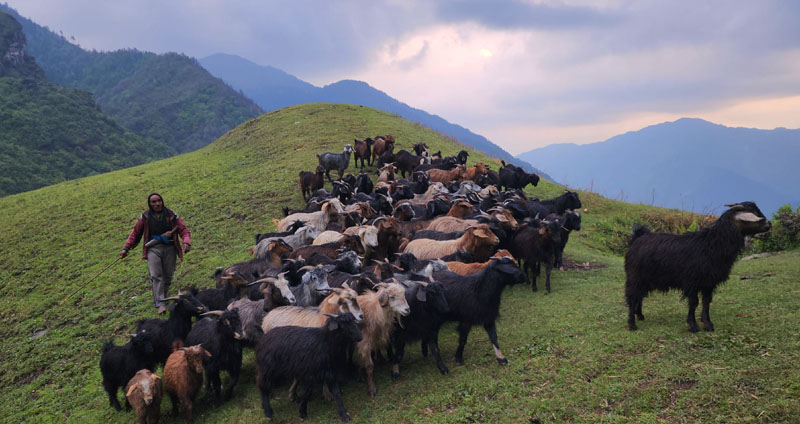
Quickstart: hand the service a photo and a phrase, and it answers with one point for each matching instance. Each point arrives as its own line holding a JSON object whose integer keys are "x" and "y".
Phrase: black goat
{"x": 167, "y": 332}
{"x": 337, "y": 161}
{"x": 512, "y": 177}
{"x": 217, "y": 298}
{"x": 309, "y": 355}
{"x": 421, "y": 147}
{"x": 118, "y": 364}
{"x": 221, "y": 338}
{"x": 694, "y": 262}
{"x": 567, "y": 200}
{"x": 570, "y": 221}
{"x": 406, "y": 162}
{"x": 289, "y": 231}
{"x": 428, "y": 306}
{"x": 364, "y": 183}
{"x": 475, "y": 300}
{"x": 533, "y": 245}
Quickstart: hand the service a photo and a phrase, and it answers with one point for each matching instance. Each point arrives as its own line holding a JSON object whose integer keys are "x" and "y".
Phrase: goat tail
{"x": 638, "y": 231}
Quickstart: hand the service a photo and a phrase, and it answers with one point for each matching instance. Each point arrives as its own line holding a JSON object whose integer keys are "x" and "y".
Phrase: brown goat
{"x": 460, "y": 209}
{"x": 183, "y": 376}
{"x": 342, "y": 300}
{"x": 382, "y": 144}
{"x": 388, "y": 238}
{"x": 143, "y": 392}
{"x": 312, "y": 181}
{"x": 387, "y": 174}
{"x": 362, "y": 150}
{"x": 475, "y": 171}
{"x": 474, "y": 268}
{"x": 459, "y": 173}
{"x": 474, "y": 239}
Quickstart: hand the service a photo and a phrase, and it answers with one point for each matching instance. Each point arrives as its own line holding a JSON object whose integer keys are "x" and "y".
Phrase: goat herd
{"x": 367, "y": 268}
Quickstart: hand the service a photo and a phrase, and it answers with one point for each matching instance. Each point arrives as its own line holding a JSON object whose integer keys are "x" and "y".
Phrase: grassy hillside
{"x": 168, "y": 97}
{"x": 571, "y": 356}
{"x": 50, "y": 133}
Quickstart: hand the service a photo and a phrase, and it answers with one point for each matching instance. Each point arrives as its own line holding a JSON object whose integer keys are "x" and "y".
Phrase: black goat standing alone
{"x": 694, "y": 262}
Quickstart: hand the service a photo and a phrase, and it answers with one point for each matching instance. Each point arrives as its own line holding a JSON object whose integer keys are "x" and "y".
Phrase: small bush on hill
{"x": 785, "y": 234}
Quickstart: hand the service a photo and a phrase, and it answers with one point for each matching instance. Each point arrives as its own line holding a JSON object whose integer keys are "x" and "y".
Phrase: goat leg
{"x": 265, "y": 391}
{"x": 690, "y": 319}
{"x": 463, "y": 333}
{"x": 632, "y": 302}
{"x": 434, "y": 346}
{"x": 337, "y": 394}
{"x": 704, "y": 316}
{"x": 293, "y": 391}
{"x": 548, "y": 267}
{"x": 491, "y": 330}
{"x": 112, "y": 398}
{"x": 397, "y": 356}
{"x": 304, "y": 401}
{"x": 174, "y": 398}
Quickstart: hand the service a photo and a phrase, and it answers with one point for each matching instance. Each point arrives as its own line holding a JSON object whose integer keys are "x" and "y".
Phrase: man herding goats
{"x": 159, "y": 226}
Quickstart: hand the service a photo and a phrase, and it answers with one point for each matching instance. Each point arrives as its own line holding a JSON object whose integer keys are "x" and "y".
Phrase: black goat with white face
{"x": 694, "y": 262}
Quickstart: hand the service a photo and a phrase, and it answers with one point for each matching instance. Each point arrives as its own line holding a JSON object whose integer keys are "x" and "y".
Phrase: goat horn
{"x": 170, "y": 298}
{"x": 217, "y": 313}
{"x": 263, "y": 280}
{"x": 306, "y": 268}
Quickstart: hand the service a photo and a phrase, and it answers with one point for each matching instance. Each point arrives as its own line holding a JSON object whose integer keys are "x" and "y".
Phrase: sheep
{"x": 183, "y": 376}
{"x": 166, "y": 332}
{"x": 535, "y": 245}
{"x": 143, "y": 392}
{"x": 337, "y": 161}
{"x": 512, "y": 177}
{"x": 220, "y": 337}
{"x": 380, "y": 309}
{"x": 382, "y": 145}
{"x": 342, "y": 300}
{"x": 473, "y": 239}
{"x": 428, "y": 305}
{"x": 310, "y": 356}
{"x": 317, "y": 220}
{"x": 459, "y": 173}
{"x": 300, "y": 238}
{"x": 694, "y": 262}
{"x": 475, "y": 300}
{"x": 311, "y": 181}
{"x": 363, "y": 150}
{"x": 475, "y": 267}
{"x": 118, "y": 364}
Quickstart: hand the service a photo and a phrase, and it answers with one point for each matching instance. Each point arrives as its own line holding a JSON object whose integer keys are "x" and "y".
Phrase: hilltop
{"x": 168, "y": 97}
{"x": 571, "y": 357}
{"x": 49, "y": 133}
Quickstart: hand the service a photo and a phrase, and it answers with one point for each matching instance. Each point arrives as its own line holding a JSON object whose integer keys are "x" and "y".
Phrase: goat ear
{"x": 421, "y": 295}
{"x": 481, "y": 233}
{"x": 332, "y": 325}
{"x": 383, "y": 298}
{"x": 207, "y": 353}
{"x": 131, "y": 389}
{"x": 748, "y": 217}
{"x": 155, "y": 378}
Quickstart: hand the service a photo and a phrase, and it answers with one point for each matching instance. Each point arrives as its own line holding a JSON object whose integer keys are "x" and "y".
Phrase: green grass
{"x": 571, "y": 356}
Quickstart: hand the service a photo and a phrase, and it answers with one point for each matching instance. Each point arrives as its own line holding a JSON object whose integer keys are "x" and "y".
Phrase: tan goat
{"x": 474, "y": 239}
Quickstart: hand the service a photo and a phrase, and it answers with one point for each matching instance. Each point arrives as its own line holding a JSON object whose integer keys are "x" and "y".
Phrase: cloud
{"x": 515, "y": 14}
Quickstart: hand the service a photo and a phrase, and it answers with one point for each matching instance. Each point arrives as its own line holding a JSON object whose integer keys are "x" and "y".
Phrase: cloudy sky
{"x": 522, "y": 73}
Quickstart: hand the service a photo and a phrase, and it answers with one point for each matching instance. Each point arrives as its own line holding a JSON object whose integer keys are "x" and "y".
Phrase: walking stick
{"x": 92, "y": 279}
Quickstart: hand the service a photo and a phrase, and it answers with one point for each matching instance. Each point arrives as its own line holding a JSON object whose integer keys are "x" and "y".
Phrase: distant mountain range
{"x": 50, "y": 133}
{"x": 689, "y": 164}
{"x": 272, "y": 88}
{"x": 169, "y": 97}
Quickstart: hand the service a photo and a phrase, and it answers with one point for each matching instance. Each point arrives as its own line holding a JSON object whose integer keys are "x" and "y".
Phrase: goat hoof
{"x": 502, "y": 361}
{"x": 640, "y": 317}
{"x": 459, "y": 361}
{"x": 708, "y": 327}
{"x": 632, "y": 327}
{"x": 346, "y": 417}
{"x": 444, "y": 370}
{"x": 693, "y": 328}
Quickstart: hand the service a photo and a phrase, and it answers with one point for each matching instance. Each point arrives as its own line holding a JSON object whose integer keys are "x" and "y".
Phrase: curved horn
{"x": 263, "y": 280}
{"x": 217, "y": 313}
{"x": 170, "y": 298}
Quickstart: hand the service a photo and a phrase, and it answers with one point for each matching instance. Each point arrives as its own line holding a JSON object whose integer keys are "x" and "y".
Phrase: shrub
{"x": 785, "y": 234}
